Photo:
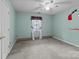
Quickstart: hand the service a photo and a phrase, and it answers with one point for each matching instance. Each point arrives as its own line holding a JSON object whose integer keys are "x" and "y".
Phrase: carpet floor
{"x": 43, "y": 49}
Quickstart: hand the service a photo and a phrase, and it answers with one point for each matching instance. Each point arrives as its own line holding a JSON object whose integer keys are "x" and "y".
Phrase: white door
{"x": 0, "y": 30}
{"x": 5, "y": 29}
{"x": 0, "y": 33}
{"x": 0, "y": 47}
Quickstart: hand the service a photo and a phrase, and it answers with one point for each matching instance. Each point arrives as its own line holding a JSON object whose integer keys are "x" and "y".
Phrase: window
{"x": 36, "y": 25}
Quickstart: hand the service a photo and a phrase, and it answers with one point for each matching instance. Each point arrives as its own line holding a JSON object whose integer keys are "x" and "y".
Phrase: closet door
{"x": 0, "y": 35}
{"x": 0, "y": 44}
{"x": 0, "y": 38}
{"x": 0, "y": 32}
{"x": 5, "y": 29}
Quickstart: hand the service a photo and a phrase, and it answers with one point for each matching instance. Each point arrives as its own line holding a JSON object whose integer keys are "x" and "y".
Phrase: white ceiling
{"x": 30, "y": 5}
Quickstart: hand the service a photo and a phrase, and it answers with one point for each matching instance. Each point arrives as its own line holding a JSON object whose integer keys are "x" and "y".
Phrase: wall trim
{"x": 11, "y": 48}
{"x": 56, "y": 37}
{"x": 24, "y": 39}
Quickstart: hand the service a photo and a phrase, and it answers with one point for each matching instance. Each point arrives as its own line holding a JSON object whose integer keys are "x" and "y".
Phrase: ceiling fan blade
{"x": 67, "y": 2}
{"x": 37, "y": 9}
{"x": 38, "y": 0}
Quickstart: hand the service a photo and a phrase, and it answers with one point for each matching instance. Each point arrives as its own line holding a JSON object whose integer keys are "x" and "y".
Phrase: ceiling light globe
{"x": 47, "y": 8}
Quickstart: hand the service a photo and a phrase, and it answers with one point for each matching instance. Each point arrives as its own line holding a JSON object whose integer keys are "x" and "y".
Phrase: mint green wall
{"x": 61, "y": 25}
{"x": 12, "y": 21}
{"x": 23, "y": 24}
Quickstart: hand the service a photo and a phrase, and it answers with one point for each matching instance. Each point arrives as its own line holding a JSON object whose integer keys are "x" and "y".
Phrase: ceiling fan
{"x": 47, "y": 4}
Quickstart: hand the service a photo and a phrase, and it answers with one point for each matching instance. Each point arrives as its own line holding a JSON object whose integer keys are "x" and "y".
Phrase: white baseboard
{"x": 11, "y": 48}
{"x": 65, "y": 41}
{"x": 28, "y": 38}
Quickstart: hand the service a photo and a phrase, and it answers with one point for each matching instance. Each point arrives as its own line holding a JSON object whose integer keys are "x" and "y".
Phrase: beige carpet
{"x": 43, "y": 49}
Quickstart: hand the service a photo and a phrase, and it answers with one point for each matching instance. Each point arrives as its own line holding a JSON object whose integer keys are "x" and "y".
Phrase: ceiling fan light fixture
{"x": 47, "y": 8}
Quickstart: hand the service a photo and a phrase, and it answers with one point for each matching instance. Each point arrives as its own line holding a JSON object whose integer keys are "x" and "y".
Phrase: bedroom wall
{"x": 12, "y": 22}
{"x": 61, "y": 27}
{"x": 23, "y": 24}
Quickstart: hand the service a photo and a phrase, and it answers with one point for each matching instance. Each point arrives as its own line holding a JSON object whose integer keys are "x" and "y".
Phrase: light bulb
{"x": 47, "y": 8}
